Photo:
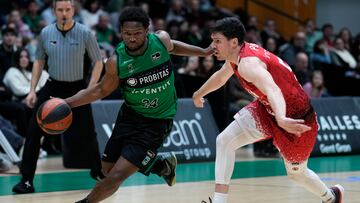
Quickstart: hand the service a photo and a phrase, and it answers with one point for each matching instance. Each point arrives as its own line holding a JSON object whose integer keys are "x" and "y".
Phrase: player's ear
{"x": 234, "y": 42}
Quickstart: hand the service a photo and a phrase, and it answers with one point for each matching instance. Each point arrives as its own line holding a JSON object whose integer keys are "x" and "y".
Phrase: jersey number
{"x": 150, "y": 103}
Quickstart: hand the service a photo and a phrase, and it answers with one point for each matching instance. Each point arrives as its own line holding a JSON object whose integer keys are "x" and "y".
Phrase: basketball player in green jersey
{"x": 142, "y": 68}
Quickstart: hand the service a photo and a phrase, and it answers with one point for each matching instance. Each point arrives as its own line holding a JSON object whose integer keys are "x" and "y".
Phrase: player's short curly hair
{"x": 230, "y": 27}
{"x": 134, "y": 14}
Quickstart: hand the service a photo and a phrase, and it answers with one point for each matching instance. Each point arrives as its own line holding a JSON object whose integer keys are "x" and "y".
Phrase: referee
{"x": 62, "y": 45}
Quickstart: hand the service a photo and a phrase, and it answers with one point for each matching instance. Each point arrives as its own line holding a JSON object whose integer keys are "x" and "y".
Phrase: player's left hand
{"x": 198, "y": 101}
{"x": 209, "y": 51}
{"x": 293, "y": 126}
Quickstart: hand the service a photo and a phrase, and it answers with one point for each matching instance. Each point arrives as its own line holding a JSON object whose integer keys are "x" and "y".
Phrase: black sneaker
{"x": 171, "y": 161}
{"x": 338, "y": 191}
{"x": 210, "y": 201}
{"x": 23, "y": 187}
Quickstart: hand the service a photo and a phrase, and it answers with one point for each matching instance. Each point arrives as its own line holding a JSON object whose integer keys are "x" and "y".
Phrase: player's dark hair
{"x": 230, "y": 27}
{"x": 134, "y": 14}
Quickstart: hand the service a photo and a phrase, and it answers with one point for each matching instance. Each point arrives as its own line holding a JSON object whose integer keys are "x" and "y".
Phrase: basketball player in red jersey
{"x": 282, "y": 110}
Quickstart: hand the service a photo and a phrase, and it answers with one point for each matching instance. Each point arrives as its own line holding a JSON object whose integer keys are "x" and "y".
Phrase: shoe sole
{"x": 341, "y": 189}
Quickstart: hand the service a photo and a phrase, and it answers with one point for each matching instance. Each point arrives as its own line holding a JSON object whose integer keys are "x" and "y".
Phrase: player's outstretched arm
{"x": 182, "y": 49}
{"x": 108, "y": 84}
{"x": 217, "y": 80}
{"x": 254, "y": 71}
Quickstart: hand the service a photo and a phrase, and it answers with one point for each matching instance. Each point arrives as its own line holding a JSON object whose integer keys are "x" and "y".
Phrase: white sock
{"x": 328, "y": 196}
{"x": 220, "y": 197}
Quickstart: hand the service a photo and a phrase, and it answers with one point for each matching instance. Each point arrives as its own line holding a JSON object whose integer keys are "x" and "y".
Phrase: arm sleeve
{"x": 40, "y": 50}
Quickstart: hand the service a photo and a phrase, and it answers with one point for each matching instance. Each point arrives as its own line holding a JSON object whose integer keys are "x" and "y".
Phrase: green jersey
{"x": 147, "y": 80}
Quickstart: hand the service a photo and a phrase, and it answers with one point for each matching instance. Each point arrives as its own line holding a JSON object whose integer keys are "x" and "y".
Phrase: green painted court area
{"x": 65, "y": 181}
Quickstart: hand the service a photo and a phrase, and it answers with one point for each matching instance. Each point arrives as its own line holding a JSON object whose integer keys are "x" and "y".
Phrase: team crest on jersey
{"x": 132, "y": 81}
{"x": 155, "y": 56}
{"x": 130, "y": 68}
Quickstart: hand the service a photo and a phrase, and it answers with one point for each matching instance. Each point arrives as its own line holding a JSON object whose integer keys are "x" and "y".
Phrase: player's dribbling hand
{"x": 198, "y": 101}
{"x": 293, "y": 126}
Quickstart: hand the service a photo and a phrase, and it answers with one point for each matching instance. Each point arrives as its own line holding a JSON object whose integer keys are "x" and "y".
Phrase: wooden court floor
{"x": 254, "y": 180}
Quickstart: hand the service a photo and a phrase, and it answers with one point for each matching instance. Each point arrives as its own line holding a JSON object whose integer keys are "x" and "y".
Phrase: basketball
{"x": 54, "y": 116}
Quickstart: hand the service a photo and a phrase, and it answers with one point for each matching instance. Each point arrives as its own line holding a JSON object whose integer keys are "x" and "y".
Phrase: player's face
{"x": 134, "y": 35}
{"x": 64, "y": 11}
{"x": 221, "y": 46}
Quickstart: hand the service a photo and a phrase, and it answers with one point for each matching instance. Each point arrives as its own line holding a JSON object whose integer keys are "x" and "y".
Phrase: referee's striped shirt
{"x": 65, "y": 51}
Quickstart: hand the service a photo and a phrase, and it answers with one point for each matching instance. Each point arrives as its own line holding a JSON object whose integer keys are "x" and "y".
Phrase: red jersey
{"x": 297, "y": 101}
{"x": 298, "y": 106}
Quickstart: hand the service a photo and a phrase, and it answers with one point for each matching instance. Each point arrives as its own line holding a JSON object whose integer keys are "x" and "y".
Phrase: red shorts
{"x": 292, "y": 148}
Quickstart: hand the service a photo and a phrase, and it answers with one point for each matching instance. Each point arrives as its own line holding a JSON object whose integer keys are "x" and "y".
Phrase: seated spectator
{"x": 301, "y": 68}
{"x": 288, "y": 51}
{"x": 207, "y": 67}
{"x": 22, "y": 28}
{"x": 104, "y": 31}
{"x": 328, "y": 34}
{"x": 271, "y": 46}
{"x": 269, "y": 30}
{"x": 341, "y": 56}
{"x": 18, "y": 78}
{"x": 91, "y": 13}
{"x": 316, "y": 87}
{"x": 33, "y": 18}
{"x": 191, "y": 66}
{"x": 321, "y": 53}
{"x": 346, "y": 36}
{"x": 312, "y": 36}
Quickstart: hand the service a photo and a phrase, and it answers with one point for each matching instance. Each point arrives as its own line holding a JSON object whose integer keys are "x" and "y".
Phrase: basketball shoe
{"x": 338, "y": 192}
{"x": 171, "y": 163}
{"x": 23, "y": 187}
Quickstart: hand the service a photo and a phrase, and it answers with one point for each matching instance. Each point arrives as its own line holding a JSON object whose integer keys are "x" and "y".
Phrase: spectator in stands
{"x": 328, "y": 34}
{"x": 191, "y": 66}
{"x": 346, "y": 36}
{"x": 321, "y": 53}
{"x": 252, "y": 22}
{"x": 22, "y": 28}
{"x": 289, "y": 51}
{"x": 207, "y": 67}
{"x": 301, "y": 68}
{"x": 252, "y": 35}
{"x": 47, "y": 14}
{"x": 177, "y": 11}
{"x": 91, "y": 12}
{"x": 33, "y": 17}
{"x": 7, "y": 50}
{"x": 104, "y": 31}
{"x": 271, "y": 45}
{"x": 18, "y": 78}
{"x": 312, "y": 35}
{"x": 158, "y": 24}
{"x": 269, "y": 30}
{"x": 341, "y": 56}
{"x": 316, "y": 87}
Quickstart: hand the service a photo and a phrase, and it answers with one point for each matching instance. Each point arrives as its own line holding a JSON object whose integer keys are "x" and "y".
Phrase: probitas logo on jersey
{"x": 132, "y": 82}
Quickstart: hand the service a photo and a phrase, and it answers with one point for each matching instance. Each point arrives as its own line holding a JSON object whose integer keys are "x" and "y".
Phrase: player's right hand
{"x": 293, "y": 126}
{"x": 30, "y": 99}
{"x": 198, "y": 100}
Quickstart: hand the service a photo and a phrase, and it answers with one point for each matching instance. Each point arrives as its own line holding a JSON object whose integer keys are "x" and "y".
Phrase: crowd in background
{"x": 311, "y": 51}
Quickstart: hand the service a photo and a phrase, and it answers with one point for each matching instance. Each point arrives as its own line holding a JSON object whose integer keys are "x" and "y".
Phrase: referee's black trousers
{"x": 80, "y": 137}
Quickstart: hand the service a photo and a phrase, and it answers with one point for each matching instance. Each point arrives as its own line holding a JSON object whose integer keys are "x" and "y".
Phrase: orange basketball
{"x": 54, "y": 116}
